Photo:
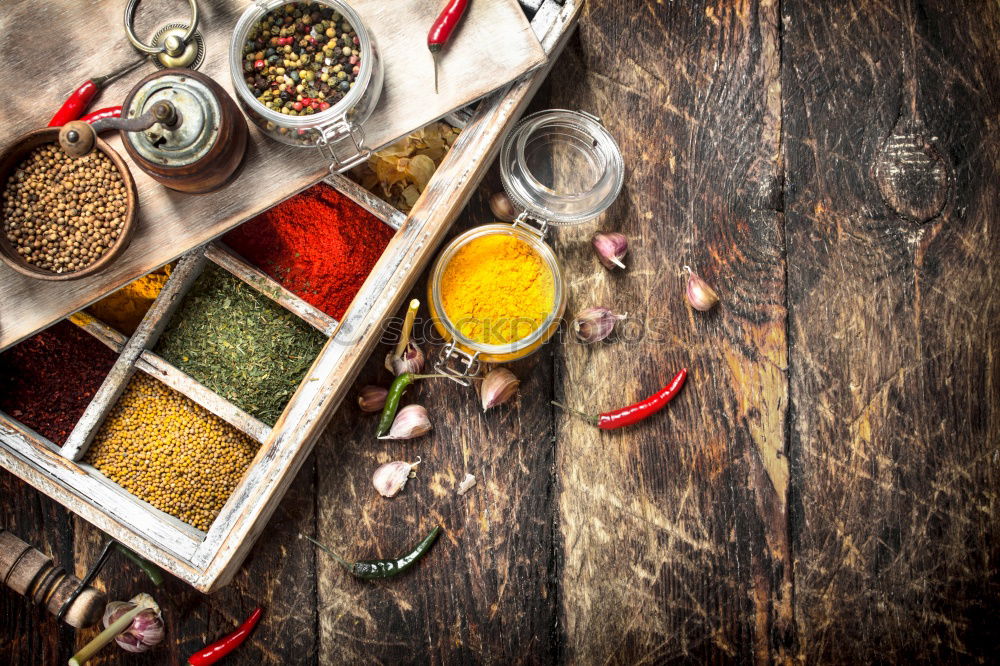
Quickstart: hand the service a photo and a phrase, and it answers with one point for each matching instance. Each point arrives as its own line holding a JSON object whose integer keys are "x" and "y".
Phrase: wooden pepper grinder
{"x": 177, "y": 125}
{"x": 208, "y": 144}
{"x": 32, "y": 574}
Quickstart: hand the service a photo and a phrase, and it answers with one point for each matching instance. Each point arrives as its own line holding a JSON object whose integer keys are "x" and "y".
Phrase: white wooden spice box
{"x": 209, "y": 560}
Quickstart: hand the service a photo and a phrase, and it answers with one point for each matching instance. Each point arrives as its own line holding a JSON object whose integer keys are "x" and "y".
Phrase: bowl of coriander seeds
{"x": 63, "y": 218}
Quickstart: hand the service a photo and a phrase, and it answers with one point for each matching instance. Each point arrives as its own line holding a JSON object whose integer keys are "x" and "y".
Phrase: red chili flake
{"x": 49, "y": 379}
{"x": 319, "y": 245}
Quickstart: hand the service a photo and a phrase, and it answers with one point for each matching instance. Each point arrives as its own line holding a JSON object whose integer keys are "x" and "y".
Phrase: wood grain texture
{"x": 29, "y": 635}
{"x": 170, "y": 223}
{"x": 894, "y": 327}
{"x": 488, "y": 579}
{"x": 664, "y": 543}
{"x": 674, "y": 531}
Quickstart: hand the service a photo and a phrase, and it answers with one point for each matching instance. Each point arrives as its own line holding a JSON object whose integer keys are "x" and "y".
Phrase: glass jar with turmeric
{"x": 497, "y": 292}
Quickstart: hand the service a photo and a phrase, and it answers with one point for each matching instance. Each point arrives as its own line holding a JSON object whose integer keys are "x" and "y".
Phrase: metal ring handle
{"x": 151, "y": 50}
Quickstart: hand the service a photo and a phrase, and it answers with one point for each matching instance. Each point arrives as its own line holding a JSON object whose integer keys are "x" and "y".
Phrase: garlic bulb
{"x": 147, "y": 628}
{"x": 699, "y": 294}
{"x": 611, "y": 248}
{"x": 502, "y": 207}
{"x": 498, "y": 386}
{"x": 595, "y": 324}
{"x": 411, "y": 421}
{"x": 390, "y": 478}
{"x": 411, "y": 360}
{"x": 372, "y": 398}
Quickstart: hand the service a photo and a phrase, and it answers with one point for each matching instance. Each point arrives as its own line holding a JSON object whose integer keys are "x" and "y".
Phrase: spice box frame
{"x": 208, "y": 560}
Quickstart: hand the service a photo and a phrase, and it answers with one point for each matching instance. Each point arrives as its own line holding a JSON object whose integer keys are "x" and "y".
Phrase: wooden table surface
{"x": 827, "y": 487}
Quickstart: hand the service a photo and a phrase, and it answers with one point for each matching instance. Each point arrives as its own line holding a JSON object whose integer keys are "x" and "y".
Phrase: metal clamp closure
{"x": 343, "y": 145}
{"x": 464, "y": 368}
{"x": 533, "y": 225}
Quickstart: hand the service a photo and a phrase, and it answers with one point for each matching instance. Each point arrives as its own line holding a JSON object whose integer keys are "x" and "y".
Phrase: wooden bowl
{"x": 9, "y": 160}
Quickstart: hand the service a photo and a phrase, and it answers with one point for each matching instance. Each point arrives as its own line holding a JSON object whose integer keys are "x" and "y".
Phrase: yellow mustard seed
{"x": 165, "y": 449}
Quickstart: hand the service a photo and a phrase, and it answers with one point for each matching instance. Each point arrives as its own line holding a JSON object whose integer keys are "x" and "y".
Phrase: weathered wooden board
{"x": 891, "y": 427}
{"x": 893, "y": 324}
{"x": 494, "y": 46}
{"x": 29, "y": 635}
{"x": 674, "y": 531}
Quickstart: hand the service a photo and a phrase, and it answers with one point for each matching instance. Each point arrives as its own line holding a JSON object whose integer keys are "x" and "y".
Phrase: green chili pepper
{"x": 399, "y": 385}
{"x": 153, "y": 571}
{"x": 372, "y": 569}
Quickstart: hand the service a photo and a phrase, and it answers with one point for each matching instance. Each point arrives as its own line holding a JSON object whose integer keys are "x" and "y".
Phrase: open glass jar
{"x": 558, "y": 167}
{"x": 337, "y": 131}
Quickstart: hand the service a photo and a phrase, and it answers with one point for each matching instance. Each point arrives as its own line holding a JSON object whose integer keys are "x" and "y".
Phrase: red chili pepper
{"x": 81, "y": 98}
{"x": 631, "y": 414}
{"x": 225, "y": 645}
{"x": 101, "y": 114}
{"x": 76, "y": 104}
{"x": 441, "y": 30}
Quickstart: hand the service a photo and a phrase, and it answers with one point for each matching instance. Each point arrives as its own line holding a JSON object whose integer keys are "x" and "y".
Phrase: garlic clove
{"x": 147, "y": 628}
{"x": 611, "y": 247}
{"x": 412, "y": 360}
{"x": 466, "y": 485}
{"x": 502, "y": 207}
{"x": 390, "y": 478}
{"x": 372, "y": 398}
{"x": 699, "y": 294}
{"x": 594, "y": 324}
{"x": 498, "y": 386}
{"x": 411, "y": 421}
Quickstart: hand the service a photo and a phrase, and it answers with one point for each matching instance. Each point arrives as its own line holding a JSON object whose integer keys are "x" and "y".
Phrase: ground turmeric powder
{"x": 125, "y": 308}
{"x": 497, "y": 290}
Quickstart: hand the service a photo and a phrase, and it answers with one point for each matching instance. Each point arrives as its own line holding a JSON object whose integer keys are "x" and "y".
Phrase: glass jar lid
{"x": 561, "y": 166}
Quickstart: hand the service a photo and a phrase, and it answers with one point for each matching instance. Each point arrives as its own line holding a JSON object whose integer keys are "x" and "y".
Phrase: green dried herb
{"x": 240, "y": 344}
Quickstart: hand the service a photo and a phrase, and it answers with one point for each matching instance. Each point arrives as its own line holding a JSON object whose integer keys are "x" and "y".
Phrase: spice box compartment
{"x": 208, "y": 559}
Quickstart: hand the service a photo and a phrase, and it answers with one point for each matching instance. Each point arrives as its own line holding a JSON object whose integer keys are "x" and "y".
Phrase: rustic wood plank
{"x": 674, "y": 531}
{"x": 170, "y": 223}
{"x": 112, "y": 338}
{"x": 29, "y": 635}
{"x": 894, "y": 329}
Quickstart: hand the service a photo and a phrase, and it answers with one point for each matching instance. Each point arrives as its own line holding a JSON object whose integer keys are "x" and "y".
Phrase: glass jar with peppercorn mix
{"x": 496, "y": 292}
{"x": 307, "y": 74}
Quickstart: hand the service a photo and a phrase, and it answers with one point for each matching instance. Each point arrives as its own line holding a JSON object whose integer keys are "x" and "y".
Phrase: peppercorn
{"x": 291, "y": 34}
{"x": 62, "y": 214}
{"x": 165, "y": 449}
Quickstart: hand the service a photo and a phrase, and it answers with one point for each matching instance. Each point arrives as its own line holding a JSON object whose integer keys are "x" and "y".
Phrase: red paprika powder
{"x": 319, "y": 245}
{"x": 48, "y": 380}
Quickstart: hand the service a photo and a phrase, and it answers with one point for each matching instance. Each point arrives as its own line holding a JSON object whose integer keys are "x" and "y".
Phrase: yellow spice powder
{"x": 496, "y": 289}
{"x": 125, "y": 308}
{"x": 163, "y": 448}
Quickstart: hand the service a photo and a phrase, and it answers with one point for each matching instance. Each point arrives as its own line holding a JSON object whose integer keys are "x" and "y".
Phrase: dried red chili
{"x": 632, "y": 414}
{"x": 49, "y": 379}
{"x": 319, "y": 245}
